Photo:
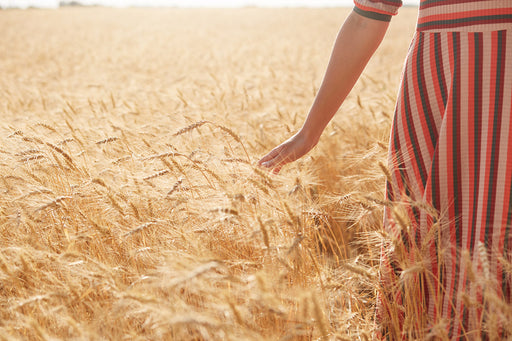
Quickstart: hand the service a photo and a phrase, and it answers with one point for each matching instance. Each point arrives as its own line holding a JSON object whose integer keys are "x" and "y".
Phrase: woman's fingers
{"x": 276, "y": 158}
{"x": 286, "y": 152}
{"x": 277, "y": 161}
{"x": 273, "y": 153}
{"x": 276, "y": 170}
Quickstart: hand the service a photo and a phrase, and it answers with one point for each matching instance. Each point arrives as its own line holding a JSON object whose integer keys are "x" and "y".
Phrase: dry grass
{"x": 131, "y": 207}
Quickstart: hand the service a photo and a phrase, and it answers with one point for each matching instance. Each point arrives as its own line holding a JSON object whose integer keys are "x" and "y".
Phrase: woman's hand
{"x": 290, "y": 150}
{"x": 356, "y": 42}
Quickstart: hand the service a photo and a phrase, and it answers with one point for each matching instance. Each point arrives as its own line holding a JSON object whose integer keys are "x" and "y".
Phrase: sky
{"x": 188, "y": 3}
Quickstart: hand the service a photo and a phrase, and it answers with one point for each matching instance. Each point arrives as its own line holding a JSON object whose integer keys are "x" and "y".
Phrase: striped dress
{"x": 448, "y": 274}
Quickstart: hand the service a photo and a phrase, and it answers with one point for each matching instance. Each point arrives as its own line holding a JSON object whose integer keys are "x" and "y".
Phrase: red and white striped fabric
{"x": 451, "y": 149}
{"x": 464, "y": 15}
{"x": 446, "y": 15}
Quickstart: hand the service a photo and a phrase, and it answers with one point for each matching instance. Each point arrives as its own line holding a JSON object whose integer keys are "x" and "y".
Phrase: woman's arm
{"x": 357, "y": 40}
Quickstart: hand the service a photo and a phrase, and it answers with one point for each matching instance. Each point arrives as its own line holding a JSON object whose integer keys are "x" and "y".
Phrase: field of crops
{"x": 131, "y": 207}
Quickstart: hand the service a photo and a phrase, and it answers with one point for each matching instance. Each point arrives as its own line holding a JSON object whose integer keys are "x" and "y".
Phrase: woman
{"x": 450, "y": 149}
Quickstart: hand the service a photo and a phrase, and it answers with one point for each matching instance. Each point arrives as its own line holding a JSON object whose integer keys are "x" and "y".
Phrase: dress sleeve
{"x": 377, "y": 9}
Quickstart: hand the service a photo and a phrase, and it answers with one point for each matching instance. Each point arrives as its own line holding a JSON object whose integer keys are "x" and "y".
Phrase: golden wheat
{"x": 131, "y": 206}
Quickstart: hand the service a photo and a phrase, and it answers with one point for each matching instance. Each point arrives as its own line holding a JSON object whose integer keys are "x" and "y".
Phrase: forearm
{"x": 357, "y": 40}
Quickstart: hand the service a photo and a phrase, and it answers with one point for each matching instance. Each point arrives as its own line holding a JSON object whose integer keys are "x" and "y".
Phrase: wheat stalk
{"x": 140, "y": 228}
{"x": 108, "y": 140}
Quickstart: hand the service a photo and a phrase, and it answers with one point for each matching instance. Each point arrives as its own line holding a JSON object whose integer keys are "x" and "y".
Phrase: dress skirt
{"x": 446, "y": 271}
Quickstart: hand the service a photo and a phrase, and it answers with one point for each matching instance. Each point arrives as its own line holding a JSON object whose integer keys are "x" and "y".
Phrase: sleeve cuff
{"x": 372, "y": 15}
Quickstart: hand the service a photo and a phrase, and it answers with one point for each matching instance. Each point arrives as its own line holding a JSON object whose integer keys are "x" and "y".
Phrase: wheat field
{"x": 131, "y": 207}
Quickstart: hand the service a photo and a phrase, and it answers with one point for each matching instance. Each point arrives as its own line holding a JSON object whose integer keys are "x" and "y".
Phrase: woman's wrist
{"x": 310, "y": 134}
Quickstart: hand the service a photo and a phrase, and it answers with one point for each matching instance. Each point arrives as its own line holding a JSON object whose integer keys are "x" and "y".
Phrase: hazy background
{"x": 185, "y": 3}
